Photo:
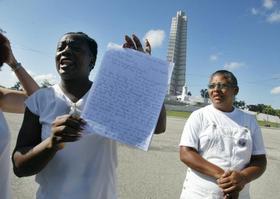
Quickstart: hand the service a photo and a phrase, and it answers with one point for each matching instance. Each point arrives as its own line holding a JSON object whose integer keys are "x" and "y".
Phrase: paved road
{"x": 158, "y": 173}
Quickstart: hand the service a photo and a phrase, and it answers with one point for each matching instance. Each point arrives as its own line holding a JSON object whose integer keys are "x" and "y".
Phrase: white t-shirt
{"x": 85, "y": 169}
{"x": 200, "y": 119}
{"x": 225, "y": 139}
{"x": 5, "y": 192}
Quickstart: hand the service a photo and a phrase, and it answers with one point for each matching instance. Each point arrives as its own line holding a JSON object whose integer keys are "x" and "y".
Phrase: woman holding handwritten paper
{"x": 10, "y": 101}
{"x": 82, "y": 168}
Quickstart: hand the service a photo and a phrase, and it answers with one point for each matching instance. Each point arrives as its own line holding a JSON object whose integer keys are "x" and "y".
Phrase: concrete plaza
{"x": 158, "y": 173}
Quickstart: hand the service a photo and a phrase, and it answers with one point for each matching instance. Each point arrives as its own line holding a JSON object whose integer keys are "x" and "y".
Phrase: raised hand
{"x": 6, "y": 54}
{"x": 134, "y": 43}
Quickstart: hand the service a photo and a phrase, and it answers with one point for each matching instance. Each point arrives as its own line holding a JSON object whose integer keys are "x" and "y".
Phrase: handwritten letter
{"x": 126, "y": 97}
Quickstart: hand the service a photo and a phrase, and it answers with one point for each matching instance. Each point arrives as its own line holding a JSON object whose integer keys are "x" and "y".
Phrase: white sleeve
{"x": 192, "y": 128}
{"x": 31, "y": 103}
{"x": 258, "y": 144}
{"x": 36, "y": 102}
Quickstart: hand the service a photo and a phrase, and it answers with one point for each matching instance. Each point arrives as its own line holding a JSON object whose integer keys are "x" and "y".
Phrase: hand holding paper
{"x": 126, "y": 97}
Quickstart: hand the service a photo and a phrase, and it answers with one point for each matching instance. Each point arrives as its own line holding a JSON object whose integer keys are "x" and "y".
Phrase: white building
{"x": 176, "y": 54}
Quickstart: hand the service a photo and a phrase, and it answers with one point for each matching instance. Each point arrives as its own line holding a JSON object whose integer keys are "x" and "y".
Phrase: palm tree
{"x": 45, "y": 83}
{"x": 205, "y": 95}
{"x": 17, "y": 86}
{"x": 239, "y": 104}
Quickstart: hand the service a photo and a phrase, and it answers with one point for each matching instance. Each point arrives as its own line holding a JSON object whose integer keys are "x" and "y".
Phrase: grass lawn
{"x": 178, "y": 114}
{"x": 268, "y": 124}
{"x": 182, "y": 114}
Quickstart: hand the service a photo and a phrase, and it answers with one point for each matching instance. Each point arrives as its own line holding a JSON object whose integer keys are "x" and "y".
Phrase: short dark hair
{"x": 91, "y": 43}
{"x": 228, "y": 75}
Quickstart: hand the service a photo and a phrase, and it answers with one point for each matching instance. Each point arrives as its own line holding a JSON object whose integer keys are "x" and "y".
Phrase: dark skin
{"x": 11, "y": 100}
{"x": 231, "y": 182}
{"x": 73, "y": 62}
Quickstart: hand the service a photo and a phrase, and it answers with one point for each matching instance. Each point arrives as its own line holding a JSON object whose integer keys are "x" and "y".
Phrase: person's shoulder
{"x": 204, "y": 109}
{"x": 249, "y": 118}
{"x": 246, "y": 113}
{"x": 201, "y": 111}
{"x": 40, "y": 100}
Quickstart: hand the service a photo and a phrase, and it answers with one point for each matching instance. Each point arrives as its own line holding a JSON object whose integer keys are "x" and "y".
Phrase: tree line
{"x": 259, "y": 108}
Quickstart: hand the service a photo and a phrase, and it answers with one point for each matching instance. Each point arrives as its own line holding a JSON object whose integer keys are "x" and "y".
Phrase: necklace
{"x": 74, "y": 111}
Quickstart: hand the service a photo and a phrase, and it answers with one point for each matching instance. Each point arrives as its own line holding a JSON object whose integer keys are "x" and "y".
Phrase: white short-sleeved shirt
{"x": 5, "y": 192}
{"x": 199, "y": 120}
{"x": 83, "y": 169}
{"x": 225, "y": 139}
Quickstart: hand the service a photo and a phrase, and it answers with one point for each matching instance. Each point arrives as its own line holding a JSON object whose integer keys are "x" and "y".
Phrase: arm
{"x": 192, "y": 159}
{"x": 234, "y": 181}
{"x": 161, "y": 123}
{"x": 25, "y": 79}
{"x": 255, "y": 168}
{"x": 31, "y": 154}
{"x": 13, "y": 101}
{"x": 27, "y": 82}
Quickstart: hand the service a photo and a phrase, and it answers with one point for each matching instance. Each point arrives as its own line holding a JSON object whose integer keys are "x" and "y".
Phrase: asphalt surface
{"x": 158, "y": 173}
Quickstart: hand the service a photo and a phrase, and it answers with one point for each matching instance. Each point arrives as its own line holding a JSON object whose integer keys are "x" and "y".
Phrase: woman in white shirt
{"x": 49, "y": 142}
{"x": 221, "y": 145}
{"x": 10, "y": 101}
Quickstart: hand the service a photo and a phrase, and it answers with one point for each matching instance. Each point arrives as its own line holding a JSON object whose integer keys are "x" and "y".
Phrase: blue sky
{"x": 241, "y": 36}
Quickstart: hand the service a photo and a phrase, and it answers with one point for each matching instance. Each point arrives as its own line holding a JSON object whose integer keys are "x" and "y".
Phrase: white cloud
{"x": 9, "y": 79}
{"x": 269, "y": 11}
{"x": 276, "y": 76}
{"x": 268, "y": 4}
{"x": 254, "y": 11}
{"x": 275, "y": 90}
{"x": 49, "y": 77}
{"x": 113, "y": 45}
{"x": 213, "y": 57}
{"x": 233, "y": 65}
{"x": 155, "y": 37}
{"x": 274, "y": 17}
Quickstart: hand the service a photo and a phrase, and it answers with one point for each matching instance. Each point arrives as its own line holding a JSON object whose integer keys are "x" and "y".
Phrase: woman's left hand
{"x": 134, "y": 43}
{"x": 232, "y": 181}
